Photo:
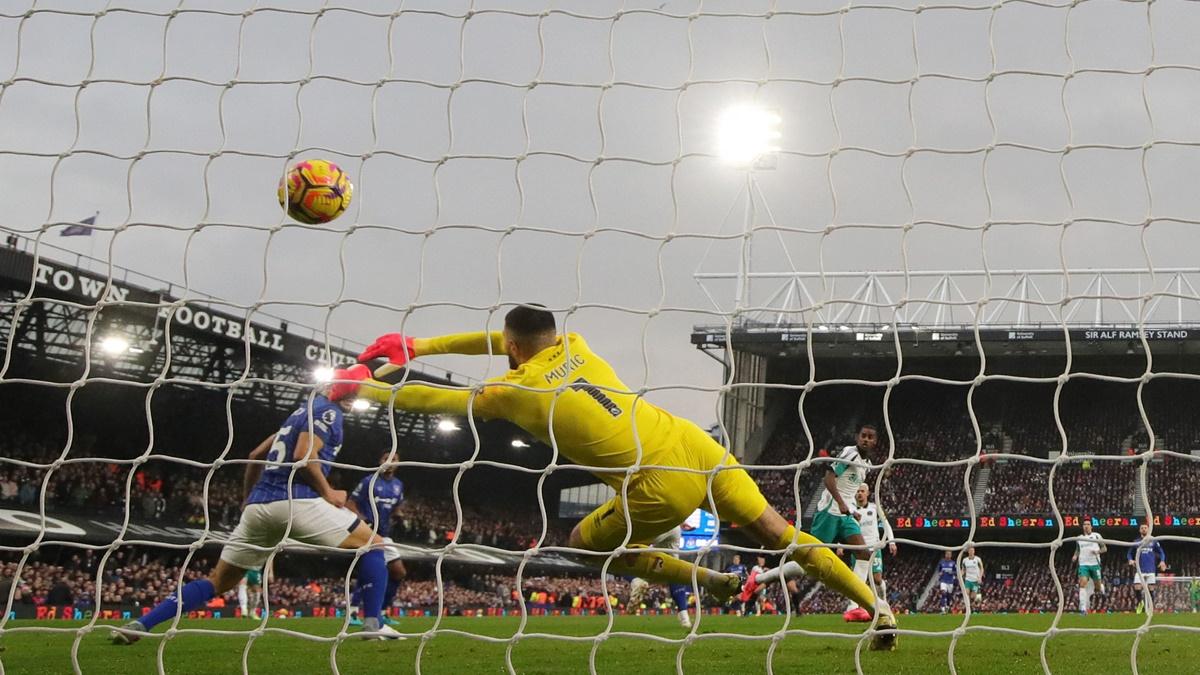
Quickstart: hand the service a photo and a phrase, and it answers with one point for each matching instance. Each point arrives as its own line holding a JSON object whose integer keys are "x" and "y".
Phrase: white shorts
{"x": 390, "y": 550}
{"x": 946, "y": 588}
{"x": 314, "y": 521}
{"x": 1146, "y": 578}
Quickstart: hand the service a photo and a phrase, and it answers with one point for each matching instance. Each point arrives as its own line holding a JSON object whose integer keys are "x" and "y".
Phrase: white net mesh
{"x": 514, "y": 152}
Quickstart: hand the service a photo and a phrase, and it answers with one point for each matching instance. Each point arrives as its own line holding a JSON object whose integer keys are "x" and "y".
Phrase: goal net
{"x": 970, "y": 224}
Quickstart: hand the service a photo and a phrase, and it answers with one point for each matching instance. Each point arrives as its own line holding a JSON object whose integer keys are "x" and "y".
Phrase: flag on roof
{"x": 81, "y": 229}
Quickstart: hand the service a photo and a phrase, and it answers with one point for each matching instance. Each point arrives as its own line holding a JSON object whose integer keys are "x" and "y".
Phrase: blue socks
{"x": 389, "y": 593}
{"x": 195, "y": 595}
{"x": 372, "y": 576}
{"x": 680, "y": 593}
{"x": 373, "y": 580}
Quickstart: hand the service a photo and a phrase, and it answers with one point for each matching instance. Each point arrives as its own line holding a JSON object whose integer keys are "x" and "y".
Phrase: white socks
{"x": 789, "y": 570}
{"x": 861, "y": 569}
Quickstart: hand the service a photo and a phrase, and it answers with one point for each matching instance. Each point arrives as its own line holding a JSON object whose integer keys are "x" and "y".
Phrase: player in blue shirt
{"x": 375, "y": 500}
{"x": 288, "y": 493}
{"x": 1150, "y": 559}
{"x": 947, "y": 580}
{"x": 736, "y": 567}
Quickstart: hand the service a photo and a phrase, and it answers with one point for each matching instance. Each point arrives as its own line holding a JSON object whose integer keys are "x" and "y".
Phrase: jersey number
{"x": 277, "y": 451}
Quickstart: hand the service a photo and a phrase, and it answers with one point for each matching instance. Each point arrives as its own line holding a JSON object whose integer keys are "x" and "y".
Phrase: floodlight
{"x": 446, "y": 426}
{"x": 518, "y": 443}
{"x": 322, "y": 374}
{"x": 360, "y": 405}
{"x": 746, "y": 132}
{"x": 114, "y": 344}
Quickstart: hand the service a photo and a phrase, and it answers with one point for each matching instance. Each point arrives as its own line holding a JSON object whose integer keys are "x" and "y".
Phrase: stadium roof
{"x": 57, "y": 317}
{"x": 943, "y": 312}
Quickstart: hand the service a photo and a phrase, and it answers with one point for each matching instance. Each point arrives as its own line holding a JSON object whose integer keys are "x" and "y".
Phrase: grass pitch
{"x": 1163, "y": 650}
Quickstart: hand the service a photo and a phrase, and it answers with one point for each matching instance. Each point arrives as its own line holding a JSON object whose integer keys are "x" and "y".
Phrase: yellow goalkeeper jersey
{"x": 565, "y": 389}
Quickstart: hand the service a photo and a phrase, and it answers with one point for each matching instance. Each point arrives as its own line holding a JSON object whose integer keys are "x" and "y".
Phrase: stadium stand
{"x": 928, "y": 422}
{"x": 135, "y": 578}
{"x": 173, "y": 494}
{"x": 1014, "y": 420}
{"x": 1019, "y": 581}
{"x": 1174, "y": 486}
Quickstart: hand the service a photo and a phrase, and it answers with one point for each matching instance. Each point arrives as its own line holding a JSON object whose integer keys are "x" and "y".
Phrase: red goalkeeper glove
{"x": 396, "y": 348}
{"x": 345, "y": 381}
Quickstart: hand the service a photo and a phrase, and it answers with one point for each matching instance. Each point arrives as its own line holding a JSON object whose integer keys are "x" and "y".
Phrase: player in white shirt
{"x": 760, "y": 595}
{"x": 972, "y": 574}
{"x": 1088, "y": 549}
{"x": 833, "y": 523}
{"x": 870, "y": 520}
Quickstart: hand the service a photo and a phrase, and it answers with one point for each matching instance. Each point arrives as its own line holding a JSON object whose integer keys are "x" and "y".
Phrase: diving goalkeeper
{"x": 557, "y": 386}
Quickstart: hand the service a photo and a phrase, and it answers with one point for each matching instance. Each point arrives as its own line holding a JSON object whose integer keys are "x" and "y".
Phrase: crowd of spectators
{"x": 1018, "y": 488}
{"x": 1173, "y": 486}
{"x": 930, "y": 422}
{"x": 157, "y": 492}
{"x": 1080, "y": 487}
{"x": 431, "y": 521}
{"x": 1095, "y": 486}
{"x": 132, "y": 579}
{"x": 927, "y": 422}
{"x": 140, "y": 578}
{"x": 173, "y": 493}
{"x": 787, "y": 445}
{"x": 922, "y": 489}
{"x": 1017, "y": 580}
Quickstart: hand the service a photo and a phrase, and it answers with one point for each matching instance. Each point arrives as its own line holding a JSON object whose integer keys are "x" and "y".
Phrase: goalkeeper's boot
{"x": 885, "y": 638}
{"x": 725, "y": 587}
{"x": 637, "y": 592}
{"x": 749, "y": 587}
{"x": 123, "y": 636}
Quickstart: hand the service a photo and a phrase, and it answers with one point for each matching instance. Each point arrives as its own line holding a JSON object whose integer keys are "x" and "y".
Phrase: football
{"x": 315, "y": 191}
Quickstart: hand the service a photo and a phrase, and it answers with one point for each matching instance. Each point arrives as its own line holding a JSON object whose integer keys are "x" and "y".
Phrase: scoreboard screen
{"x": 699, "y": 529}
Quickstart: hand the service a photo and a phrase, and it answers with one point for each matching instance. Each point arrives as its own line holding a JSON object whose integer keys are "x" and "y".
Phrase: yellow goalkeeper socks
{"x": 823, "y": 565}
{"x": 661, "y": 568}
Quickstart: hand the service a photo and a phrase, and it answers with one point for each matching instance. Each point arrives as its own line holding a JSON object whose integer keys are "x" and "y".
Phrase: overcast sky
{"x": 933, "y": 95}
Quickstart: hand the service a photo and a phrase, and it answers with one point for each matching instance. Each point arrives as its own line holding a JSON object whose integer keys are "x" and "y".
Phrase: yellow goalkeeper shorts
{"x": 660, "y": 499}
